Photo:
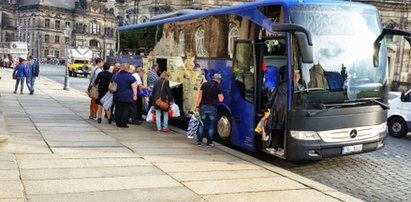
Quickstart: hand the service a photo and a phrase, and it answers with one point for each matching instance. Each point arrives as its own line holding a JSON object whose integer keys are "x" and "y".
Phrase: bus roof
{"x": 248, "y": 10}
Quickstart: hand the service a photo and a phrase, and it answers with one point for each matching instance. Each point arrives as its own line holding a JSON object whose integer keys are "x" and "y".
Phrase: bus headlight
{"x": 305, "y": 135}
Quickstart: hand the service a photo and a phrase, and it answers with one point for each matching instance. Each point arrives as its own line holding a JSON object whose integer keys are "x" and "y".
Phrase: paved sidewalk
{"x": 54, "y": 153}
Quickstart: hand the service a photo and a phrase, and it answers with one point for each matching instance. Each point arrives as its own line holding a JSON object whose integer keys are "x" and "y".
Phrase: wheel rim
{"x": 396, "y": 127}
{"x": 224, "y": 127}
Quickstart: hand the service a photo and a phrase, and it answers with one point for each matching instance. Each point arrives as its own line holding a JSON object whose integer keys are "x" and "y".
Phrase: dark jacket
{"x": 278, "y": 103}
{"x": 165, "y": 93}
{"x": 103, "y": 80}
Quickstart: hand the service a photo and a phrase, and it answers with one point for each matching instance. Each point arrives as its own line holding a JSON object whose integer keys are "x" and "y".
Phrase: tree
{"x": 135, "y": 40}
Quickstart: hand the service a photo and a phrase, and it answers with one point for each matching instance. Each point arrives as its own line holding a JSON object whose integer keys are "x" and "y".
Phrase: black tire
{"x": 397, "y": 127}
{"x": 85, "y": 75}
{"x": 223, "y": 127}
{"x": 74, "y": 74}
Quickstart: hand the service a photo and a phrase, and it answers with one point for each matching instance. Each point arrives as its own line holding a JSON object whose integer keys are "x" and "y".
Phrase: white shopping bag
{"x": 107, "y": 101}
{"x": 176, "y": 110}
{"x": 150, "y": 114}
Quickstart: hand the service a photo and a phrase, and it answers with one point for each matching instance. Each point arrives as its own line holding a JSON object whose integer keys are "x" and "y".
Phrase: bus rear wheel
{"x": 223, "y": 127}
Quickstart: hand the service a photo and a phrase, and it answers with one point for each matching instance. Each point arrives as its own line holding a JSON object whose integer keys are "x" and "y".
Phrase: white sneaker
{"x": 271, "y": 150}
{"x": 280, "y": 151}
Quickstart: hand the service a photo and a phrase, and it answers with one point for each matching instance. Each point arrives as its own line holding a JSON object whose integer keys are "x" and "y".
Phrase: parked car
{"x": 399, "y": 115}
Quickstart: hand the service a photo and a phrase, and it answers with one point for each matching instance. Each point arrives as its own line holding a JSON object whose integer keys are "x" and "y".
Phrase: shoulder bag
{"x": 113, "y": 85}
{"x": 160, "y": 103}
{"x": 92, "y": 90}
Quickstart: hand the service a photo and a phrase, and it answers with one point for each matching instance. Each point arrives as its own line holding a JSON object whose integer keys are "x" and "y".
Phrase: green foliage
{"x": 136, "y": 40}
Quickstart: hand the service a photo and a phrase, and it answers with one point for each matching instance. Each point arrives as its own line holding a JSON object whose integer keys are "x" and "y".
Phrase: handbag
{"x": 15, "y": 76}
{"x": 113, "y": 85}
{"x": 160, "y": 103}
{"x": 92, "y": 92}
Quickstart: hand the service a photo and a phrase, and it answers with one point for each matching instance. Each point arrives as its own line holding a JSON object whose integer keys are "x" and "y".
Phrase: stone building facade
{"x": 41, "y": 23}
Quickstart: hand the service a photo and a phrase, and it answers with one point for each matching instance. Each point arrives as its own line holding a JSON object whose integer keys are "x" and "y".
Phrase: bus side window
{"x": 243, "y": 71}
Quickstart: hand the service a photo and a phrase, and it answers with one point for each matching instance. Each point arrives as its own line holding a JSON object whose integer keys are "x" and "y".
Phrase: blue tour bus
{"x": 320, "y": 66}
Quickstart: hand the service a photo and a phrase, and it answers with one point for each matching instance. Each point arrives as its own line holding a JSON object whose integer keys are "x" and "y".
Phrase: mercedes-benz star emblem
{"x": 353, "y": 134}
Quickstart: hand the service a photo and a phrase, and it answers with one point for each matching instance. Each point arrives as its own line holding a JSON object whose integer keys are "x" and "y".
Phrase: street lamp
{"x": 67, "y": 35}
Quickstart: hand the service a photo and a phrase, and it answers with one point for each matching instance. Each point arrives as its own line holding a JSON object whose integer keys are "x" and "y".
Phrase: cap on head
{"x": 217, "y": 77}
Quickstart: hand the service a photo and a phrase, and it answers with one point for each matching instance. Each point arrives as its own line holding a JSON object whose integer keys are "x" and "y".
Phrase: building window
{"x": 46, "y": 53}
{"x": 57, "y": 24}
{"x": 57, "y": 54}
{"x": 47, "y": 38}
{"x": 28, "y": 22}
{"x": 181, "y": 44}
{"x": 94, "y": 27}
{"x": 68, "y": 24}
{"x": 233, "y": 34}
{"x": 200, "y": 46}
{"x": 57, "y": 39}
{"x": 34, "y": 21}
{"x": 94, "y": 43}
{"x": 25, "y": 21}
{"x": 47, "y": 23}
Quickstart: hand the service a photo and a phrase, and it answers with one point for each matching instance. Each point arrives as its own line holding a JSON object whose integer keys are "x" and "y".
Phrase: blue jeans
{"x": 158, "y": 118}
{"x": 208, "y": 116}
{"x": 20, "y": 81}
{"x": 30, "y": 83}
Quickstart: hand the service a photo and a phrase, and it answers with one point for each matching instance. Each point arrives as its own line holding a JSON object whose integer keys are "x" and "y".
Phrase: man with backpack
{"x": 32, "y": 72}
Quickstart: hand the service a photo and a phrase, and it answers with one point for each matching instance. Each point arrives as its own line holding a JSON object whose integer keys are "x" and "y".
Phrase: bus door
{"x": 272, "y": 63}
{"x": 243, "y": 94}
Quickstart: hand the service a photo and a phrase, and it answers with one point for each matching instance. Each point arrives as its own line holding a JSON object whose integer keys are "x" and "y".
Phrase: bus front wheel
{"x": 224, "y": 127}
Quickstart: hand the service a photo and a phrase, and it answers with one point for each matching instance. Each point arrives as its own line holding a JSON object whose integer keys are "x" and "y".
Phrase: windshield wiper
{"x": 383, "y": 105}
{"x": 324, "y": 109}
{"x": 310, "y": 89}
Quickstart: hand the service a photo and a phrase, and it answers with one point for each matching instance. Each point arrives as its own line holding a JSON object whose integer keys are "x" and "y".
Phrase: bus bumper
{"x": 306, "y": 150}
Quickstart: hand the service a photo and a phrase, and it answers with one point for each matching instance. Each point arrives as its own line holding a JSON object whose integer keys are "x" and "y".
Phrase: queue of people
{"x": 124, "y": 83}
{"x": 26, "y": 71}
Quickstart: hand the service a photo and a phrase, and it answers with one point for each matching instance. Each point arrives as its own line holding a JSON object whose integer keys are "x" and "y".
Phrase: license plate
{"x": 352, "y": 149}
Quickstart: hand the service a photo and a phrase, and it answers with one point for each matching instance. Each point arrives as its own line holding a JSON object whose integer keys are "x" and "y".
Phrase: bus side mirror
{"x": 377, "y": 44}
{"x": 303, "y": 37}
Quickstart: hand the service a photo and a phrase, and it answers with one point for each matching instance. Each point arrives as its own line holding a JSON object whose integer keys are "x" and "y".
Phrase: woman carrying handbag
{"x": 162, "y": 99}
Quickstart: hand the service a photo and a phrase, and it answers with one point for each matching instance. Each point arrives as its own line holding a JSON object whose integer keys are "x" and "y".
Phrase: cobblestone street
{"x": 382, "y": 175}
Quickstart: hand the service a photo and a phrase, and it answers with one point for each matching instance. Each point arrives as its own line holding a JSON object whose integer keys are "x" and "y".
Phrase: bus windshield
{"x": 343, "y": 68}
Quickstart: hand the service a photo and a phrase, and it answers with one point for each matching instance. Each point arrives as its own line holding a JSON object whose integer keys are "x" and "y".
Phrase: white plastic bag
{"x": 107, "y": 101}
{"x": 176, "y": 110}
{"x": 150, "y": 114}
